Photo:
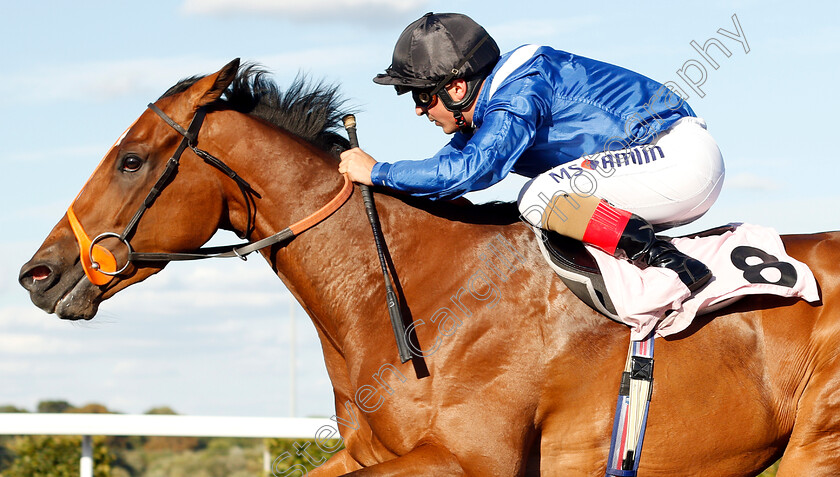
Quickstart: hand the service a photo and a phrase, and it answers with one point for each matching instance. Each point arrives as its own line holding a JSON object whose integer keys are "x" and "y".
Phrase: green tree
{"x": 6, "y": 458}
{"x": 300, "y": 453}
{"x": 52, "y": 456}
{"x": 92, "y": 408}
{"x": 771, "y": 471}
{"x": 54, "y": 406}
{"x": 173, "y": 444}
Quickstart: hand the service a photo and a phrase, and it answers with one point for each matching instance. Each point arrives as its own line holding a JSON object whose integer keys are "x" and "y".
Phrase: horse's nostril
{"x": 39, "y": 277}
{"x": 39, "y": 273}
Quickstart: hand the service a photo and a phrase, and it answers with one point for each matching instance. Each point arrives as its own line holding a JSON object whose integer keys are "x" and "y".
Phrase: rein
{"x": 99, "y": 263}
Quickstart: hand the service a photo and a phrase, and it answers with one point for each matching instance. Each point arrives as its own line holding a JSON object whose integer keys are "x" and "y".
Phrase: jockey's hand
{"x": 357, "y": 164}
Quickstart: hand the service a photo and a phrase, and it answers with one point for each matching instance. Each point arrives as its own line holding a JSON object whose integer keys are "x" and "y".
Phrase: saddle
{"x": 578, "y": 268}
{"x": 579, "y": 271}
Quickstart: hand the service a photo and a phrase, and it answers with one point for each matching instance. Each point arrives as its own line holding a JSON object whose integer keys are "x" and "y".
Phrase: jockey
{"x": 613, "y": 155}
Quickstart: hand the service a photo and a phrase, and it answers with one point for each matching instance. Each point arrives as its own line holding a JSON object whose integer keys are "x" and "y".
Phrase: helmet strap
{"x": 457, "y": 107}
{"x": 459, "y": 119}
{"x": 473, "y": 85}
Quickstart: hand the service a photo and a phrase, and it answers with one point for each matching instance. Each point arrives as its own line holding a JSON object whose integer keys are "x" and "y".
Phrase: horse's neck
{"x": 324, "y": 265}
{"x": 292, "y": 180}
{"x": 333, "y": 269}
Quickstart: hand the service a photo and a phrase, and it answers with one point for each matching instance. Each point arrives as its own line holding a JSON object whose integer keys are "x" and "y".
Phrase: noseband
{"x": 99, "y": 263}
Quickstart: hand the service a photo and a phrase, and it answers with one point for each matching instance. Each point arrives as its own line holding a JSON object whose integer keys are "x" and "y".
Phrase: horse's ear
{"x": 211, "y": 87}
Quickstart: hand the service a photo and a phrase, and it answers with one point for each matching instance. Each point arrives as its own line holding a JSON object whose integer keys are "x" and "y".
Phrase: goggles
{"x": 425, "y": 99}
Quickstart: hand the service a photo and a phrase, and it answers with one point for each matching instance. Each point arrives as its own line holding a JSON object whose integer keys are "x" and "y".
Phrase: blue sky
{"x": 213, "y": 338}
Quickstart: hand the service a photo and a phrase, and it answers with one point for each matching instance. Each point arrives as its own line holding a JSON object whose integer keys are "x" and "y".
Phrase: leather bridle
{"x": 99, "y": 263}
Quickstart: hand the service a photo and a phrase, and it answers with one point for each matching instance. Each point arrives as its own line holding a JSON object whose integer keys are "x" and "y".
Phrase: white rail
{"x": 86, "y": 425}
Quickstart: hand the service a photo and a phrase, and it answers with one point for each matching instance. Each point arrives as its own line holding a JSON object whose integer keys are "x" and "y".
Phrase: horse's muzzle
{"x": 58, "y": 288}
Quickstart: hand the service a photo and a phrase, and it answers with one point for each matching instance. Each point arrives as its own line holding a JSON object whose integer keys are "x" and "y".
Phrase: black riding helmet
{"x": 436, "y": 49}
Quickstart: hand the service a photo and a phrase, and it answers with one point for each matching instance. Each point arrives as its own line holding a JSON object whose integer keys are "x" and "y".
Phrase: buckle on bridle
{"x": 95, "y": 265}
{"x": 244, "y": 258}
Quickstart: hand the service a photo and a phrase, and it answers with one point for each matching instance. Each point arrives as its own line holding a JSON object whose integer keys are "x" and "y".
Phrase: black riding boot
{"x": 639, "y": 242}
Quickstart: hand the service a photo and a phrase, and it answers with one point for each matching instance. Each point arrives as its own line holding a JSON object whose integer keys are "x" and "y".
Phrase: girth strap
{"x": 631, "y": 410}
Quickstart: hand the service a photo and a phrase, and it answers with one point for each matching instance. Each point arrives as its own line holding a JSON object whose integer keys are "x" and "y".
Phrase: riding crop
{"x": 381, "y": 249}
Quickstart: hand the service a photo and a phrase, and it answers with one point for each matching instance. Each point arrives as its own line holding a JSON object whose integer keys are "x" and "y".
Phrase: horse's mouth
{"x": 80, "y": 302}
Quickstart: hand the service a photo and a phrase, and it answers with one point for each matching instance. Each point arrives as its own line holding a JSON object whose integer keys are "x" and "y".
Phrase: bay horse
{"x": 511, "y": 374}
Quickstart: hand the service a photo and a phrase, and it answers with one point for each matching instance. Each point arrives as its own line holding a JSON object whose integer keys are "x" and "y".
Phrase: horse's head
{"x": 77, "y": 267}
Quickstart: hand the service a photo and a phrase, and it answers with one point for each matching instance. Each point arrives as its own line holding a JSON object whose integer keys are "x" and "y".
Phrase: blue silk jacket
{"x": 540, "y": 108}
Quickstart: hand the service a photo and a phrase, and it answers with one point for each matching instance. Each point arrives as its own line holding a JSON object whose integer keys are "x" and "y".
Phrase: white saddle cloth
{"x": 747, "y": 261}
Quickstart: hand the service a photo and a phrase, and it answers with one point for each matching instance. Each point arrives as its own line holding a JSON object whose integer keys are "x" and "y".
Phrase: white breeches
{"x": 671, "y": 181}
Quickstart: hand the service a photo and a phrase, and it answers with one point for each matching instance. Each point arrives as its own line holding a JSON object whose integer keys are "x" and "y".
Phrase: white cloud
{"x": 148, "y": 366}
{"x": 37, "y": 344}
{"x": 111, "y": 80}
{"x": 26, "y": 317}
{"x": 188, "y": 332}
{"x": 103, "y": 81}
{"x": 370, "y": 12}
{"x": 750, "y": 181}
{"x": 41, "y": 155}
{"x": 817, "y": 42}
{"x": 199, "y": 288}
{"x": 540, "y": 30}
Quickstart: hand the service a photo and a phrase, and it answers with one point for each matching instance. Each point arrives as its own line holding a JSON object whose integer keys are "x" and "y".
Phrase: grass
{"x": 771, "y": 471}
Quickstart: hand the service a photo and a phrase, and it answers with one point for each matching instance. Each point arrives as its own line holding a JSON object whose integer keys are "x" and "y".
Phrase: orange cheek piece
{"x": 102, "y": 257}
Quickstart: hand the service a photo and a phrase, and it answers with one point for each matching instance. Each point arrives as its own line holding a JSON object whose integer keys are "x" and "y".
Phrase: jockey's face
{"x": 438, "y": 113}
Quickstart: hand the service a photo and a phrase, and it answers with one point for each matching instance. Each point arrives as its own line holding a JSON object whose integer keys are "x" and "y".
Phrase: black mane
{"x": 312, "y": 111}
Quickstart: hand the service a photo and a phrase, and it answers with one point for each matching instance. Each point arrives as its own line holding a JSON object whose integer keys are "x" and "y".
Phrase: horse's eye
{"x": 131, "y": 163}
